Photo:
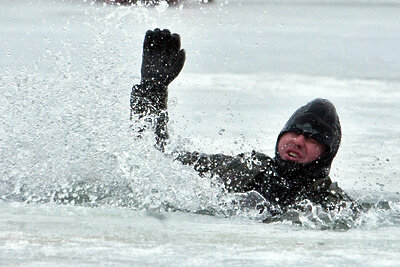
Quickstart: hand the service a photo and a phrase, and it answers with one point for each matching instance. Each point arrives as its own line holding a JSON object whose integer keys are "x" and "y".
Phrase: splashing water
{"x": 66, "y": 136}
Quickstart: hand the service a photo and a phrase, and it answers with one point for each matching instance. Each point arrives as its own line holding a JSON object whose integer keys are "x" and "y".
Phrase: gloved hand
{"x": 163, "y": 58}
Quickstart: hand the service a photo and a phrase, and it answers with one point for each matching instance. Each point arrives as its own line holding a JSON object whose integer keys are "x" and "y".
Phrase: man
{"x": 305, "y": 147}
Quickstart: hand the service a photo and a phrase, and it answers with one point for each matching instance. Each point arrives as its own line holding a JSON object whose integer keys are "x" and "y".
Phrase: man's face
{"x": 299, "y": 148}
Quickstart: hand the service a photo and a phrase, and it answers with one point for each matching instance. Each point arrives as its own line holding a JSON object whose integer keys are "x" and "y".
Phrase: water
{"x": 76, "y": 188}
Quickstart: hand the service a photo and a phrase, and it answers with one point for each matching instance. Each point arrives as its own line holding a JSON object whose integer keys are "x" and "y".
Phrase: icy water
{"x": 77, "y": 189}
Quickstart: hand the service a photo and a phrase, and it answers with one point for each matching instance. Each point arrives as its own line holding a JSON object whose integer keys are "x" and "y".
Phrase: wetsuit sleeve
{"x": 149, "y": 109}
{"x": 236, "y": 172}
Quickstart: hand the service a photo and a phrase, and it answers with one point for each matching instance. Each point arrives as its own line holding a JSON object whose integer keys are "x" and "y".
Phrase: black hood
{"x": 317, "y": 119}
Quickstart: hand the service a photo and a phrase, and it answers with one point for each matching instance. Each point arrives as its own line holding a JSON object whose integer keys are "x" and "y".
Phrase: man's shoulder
{"x": 330, "y": 195}
{"x": 325, "y": 185}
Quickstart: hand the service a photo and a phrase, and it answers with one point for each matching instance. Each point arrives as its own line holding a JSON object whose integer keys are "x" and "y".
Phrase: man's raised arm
{"x": 163, "y": 60}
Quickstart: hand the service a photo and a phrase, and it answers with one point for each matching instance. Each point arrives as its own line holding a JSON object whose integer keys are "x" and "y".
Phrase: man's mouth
{"x": 293, "y": 155}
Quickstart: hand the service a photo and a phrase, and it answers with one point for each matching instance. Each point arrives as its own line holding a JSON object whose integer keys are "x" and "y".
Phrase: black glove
{"x": 163, "y": 57}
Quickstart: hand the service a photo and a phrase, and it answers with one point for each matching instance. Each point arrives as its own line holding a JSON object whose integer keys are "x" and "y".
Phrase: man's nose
{"x": 299, "y": 140}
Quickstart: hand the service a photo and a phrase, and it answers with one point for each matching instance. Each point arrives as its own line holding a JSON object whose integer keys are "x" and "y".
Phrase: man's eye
{"x": 312, "y": 141}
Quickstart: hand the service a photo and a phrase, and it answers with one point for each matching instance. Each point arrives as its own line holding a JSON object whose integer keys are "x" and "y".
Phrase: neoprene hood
{"x": 318, "y": 120}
